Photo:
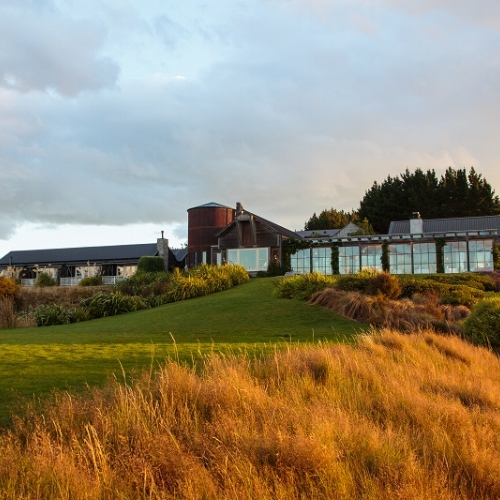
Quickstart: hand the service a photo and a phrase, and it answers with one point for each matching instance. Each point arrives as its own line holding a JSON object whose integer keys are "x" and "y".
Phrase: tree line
{"x": 457, "y": 193}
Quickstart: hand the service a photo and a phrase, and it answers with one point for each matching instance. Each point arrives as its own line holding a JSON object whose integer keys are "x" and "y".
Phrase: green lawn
{"x": 34, "y": 361}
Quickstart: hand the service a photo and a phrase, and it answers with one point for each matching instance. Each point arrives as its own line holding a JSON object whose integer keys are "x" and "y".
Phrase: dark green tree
{"x": 456, "y": 194}
{"x": 330, "y": 219}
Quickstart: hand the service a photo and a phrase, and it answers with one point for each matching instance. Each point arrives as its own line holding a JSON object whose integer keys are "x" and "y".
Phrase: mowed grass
{"x": 36, "y": 361}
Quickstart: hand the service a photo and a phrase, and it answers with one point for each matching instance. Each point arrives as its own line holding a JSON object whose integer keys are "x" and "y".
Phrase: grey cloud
{"x": 291, "y": 116}
{"x": 51, "y": 52}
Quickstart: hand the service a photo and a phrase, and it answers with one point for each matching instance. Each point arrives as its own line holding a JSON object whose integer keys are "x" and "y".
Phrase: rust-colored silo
{"x": 204, "y": 222}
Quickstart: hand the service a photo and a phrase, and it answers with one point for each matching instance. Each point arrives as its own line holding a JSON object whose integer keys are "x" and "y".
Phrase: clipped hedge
{"x": 150, "y": 264}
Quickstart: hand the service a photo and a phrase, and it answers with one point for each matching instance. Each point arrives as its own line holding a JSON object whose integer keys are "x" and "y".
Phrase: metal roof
{"x": 318, "y": 233}
{"x": 211, "y": 204}
{"x": 73, "y": 256}
{"x": 452, "y": 224}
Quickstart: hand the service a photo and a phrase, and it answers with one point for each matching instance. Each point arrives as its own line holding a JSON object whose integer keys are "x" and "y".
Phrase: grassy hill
{"x": 34, "y": 361}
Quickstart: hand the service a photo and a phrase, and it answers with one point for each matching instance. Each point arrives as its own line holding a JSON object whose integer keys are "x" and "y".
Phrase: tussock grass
{"x": 424, "y": 311}
{"x": 407, "y": 417}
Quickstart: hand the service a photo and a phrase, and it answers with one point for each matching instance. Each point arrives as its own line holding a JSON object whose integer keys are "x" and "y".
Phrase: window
{"x": 371, "y": 257}
{"x": 301, "y": 261}
{"x": 349, "y": 260}
{"x": 455, "y": 257}
{"x": 322, "y": 260}
{"x": 400, "y": 258}
{"x": 424, "y": 258}
{"x": 252, "y": 259}
{"x": 481, "y": 255}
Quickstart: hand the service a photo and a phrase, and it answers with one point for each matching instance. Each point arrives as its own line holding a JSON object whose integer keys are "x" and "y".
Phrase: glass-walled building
{"x": 406, "y": 255}
{"x": 414, "y": 246}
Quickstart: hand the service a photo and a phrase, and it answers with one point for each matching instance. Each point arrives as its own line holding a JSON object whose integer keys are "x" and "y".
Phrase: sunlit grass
{"x": 395, "y": 416}
{"x": 34, "y": 361}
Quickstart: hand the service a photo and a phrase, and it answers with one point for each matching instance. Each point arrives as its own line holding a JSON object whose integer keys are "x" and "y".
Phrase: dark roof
{"x": 211, "y": 204}
{"x": 271, "y": 225}
{"x": 451, "y": 224}
{"x": 179, "y": 253}
{"x": 74, "y": 256}
{"x": 318, "y": 233}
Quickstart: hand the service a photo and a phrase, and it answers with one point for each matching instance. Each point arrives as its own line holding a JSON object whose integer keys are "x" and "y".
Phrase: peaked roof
{"x": 270, "y": 225}
{"x": 74, "y": 256}
{"x": 452, "y": 224}
{"x": 329, "y": 233}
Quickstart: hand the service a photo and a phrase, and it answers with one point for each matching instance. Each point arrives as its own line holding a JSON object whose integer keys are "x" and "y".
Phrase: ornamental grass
{"x": 395, "y": 416}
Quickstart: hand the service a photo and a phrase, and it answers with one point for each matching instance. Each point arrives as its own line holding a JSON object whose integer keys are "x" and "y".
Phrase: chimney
{"x": 162, "y": 247}
{"x": 416, "y": 224}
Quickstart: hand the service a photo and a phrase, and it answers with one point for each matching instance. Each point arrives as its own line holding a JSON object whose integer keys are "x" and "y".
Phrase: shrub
{"x": 52, "y": 315}
{"x": 482, "y": 327}
{"x": 354, "y": 282}
{"x": 45, "y": 279}
{"x": 188, "y": 287}
{"x": 102, "y": 305}
{"x": 303, "y": 286}
{"x": 8, "y": 287}
{"x": 144, "y": 284}
{"x": 276, "y": 269}
{"x": 461, "y": 295}
{"x": 91, "y": 281}
{"x": 384, "y": 284}
{"x": 479, "y": 281}
{"x": 237, "y": 273}
{"x": 150, "y": 264}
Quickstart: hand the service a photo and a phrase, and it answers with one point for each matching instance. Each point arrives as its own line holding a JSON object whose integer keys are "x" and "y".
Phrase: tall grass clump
{"x": 410, "y": 417}
{"x": 303, "y": 286}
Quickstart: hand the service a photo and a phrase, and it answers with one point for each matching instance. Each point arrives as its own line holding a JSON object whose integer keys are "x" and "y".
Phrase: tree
{"x": 455, "y": 194}
{"x": 330, "y": 219}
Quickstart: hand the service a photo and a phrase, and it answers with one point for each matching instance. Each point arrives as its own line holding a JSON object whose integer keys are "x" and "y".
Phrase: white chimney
{"x": 416, "y": 224}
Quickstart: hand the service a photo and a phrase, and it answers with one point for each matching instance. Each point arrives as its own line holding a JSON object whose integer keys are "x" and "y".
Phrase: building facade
{"x": 414, "y": 246}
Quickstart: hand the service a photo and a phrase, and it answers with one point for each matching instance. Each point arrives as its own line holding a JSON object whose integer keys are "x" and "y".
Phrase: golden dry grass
{"x": 423, "y": 311}
{"x": 396, "y": 416}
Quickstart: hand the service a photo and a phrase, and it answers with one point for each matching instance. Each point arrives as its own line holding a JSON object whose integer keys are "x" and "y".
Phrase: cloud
{"x": 44, "y": 51}
{"x": 130, "y": 115}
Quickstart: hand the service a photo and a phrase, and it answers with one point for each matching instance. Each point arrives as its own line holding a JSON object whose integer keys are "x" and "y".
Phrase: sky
{"x": 116, "y": 116}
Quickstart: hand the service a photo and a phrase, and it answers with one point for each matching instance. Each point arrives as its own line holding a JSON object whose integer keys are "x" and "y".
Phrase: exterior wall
{"x": 203, "y": 225}
{"x": 418, "y": 256}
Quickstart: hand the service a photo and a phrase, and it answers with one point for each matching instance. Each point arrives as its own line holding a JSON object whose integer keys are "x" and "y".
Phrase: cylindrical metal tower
{"x": 204, "y": 222}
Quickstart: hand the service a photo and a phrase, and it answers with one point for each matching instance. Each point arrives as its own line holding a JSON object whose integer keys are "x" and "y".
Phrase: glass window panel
{"x": 481, "y": 255}
{"x": 322, "y": 260}
{"x": 252, "y": 259}
{"x": 455, "y": 257}
{"x": 349, "y": 261}
{"x": 232, "y": 256}
{"x": 300, "y": 261}
{"x": 371, "y": 257}
{"x": 400, "y": 258}
{"x": 424, "y": 258}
